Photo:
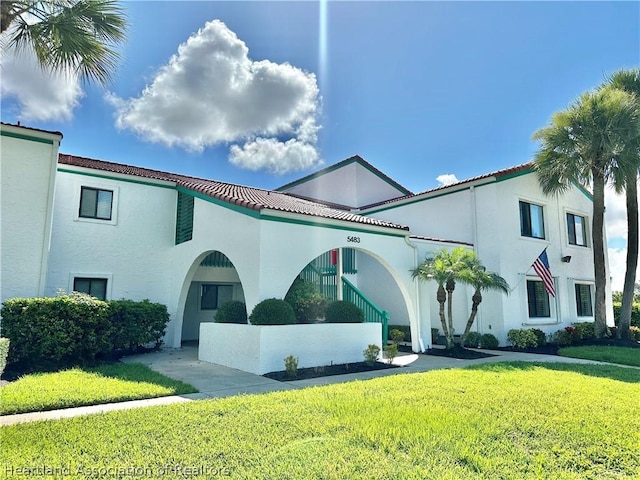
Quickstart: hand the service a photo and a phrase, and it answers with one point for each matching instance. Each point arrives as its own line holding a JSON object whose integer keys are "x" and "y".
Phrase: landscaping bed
{"x": 328, "y": 371}
{"x": 458, "y": 352}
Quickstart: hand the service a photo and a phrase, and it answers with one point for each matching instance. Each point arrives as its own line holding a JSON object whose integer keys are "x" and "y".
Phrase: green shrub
{"x": 342, "y": 311}
{"x": 522, "y": 338}
{"x": 634, "y": 333}
{"x": 584, "y": 330}
{"x": 635, "y": 313}
{"x": 68, "y": 328}
{"x": 472, "y": 340}
{"x": 307, "y": 303}
{"x": 4, "y": 351}
{"x": 488, "y": 341}
{"x": 565, "y": 336}
{"x": 371, "y": 354}
{"x": 291, "y": 366}
{"x": 272, "y": 311}
{"x": 406, "y": 329}
{"x": 390, "y": 352}
{"x": 541, "y": 337}
{"x": 396, "y": 335}
{"x": 136, "y": 324}
{"x": 233, "y": 311}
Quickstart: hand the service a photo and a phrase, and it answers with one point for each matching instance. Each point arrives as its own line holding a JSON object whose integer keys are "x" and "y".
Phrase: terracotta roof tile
{"x": 248, "y": 197}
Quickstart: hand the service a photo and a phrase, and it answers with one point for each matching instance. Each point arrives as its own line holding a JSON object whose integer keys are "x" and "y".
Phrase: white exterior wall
{"x": 27, "y": 174}
{"x": 133, "y": 251}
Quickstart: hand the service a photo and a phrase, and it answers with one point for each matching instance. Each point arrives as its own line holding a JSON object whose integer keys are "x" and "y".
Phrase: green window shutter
{"x": 184, "y": 218}
{"x": 216, "y": 259}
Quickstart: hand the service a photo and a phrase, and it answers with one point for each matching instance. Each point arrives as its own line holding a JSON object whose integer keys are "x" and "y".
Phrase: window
{"x": 584, "y": 303}
{"x": 95, "y": 203}
{"x": 576, "y": 227}
{"x": 538, "y": 299}
{"x": 96, "y": 287}
{"x": 213, "y": 295}
{"x": 531, "y": 220}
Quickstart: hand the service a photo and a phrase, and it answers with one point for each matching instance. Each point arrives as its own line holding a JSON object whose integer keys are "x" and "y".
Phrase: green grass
{"x": 493, "y": 421}
{"x": 78, "y": 387}
{"x": 620, "y": 355}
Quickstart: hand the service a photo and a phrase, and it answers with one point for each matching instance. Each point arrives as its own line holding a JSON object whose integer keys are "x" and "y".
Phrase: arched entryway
{"x": 215, "y": 281}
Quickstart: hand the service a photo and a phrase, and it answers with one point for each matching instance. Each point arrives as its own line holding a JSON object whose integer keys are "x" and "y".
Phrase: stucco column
{"x": 339, "y": 273}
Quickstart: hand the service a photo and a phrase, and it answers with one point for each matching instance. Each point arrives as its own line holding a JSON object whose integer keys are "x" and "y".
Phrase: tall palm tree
{"x": 447, "y": 267}
{"x": 585, "y": 144}
{"x": 77, "y": 36}
{"x": 629, "y": 81}
{"x": 482, "y": 280}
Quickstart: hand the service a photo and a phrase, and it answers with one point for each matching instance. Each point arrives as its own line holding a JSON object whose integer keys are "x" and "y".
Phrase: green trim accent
{"x": 184, "y": 218}
{"x": 356, "y": 159}
{"x": 584, "y": 191}
{"x": 216, "y": 259}
{"x": 21, "y": 136}
{"x": 312, "y": 223}
{"x": 119, "y": 179}
{"x": 509, "y": 176}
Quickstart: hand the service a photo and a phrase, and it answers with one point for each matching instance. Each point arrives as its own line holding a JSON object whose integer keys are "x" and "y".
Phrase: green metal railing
{"x": 371, "y": 312}
{"x": 325, "y": 282}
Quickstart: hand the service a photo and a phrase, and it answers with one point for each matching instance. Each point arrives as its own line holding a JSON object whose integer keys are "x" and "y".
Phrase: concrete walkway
{"x": 215, "y": 381}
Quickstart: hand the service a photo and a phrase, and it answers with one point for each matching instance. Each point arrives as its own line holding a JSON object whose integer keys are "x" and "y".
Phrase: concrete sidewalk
{"x": 216, "y": 381}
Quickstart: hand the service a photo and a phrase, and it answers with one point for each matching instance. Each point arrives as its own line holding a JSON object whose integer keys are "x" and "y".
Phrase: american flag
{"x": 541, "y": 266}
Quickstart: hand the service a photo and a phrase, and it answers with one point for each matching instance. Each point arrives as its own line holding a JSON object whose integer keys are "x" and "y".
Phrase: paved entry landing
{"x": 211, "y": 380}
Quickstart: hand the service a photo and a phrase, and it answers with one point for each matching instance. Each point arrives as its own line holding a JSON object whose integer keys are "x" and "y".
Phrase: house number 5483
{"x": 353, "y": 239}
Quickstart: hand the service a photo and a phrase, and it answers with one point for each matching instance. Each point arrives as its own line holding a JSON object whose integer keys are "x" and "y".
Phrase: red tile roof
{"x": 248, "y": 197}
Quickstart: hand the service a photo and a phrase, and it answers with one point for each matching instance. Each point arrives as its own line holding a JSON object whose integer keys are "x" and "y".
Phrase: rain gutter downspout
{"x": 417, "y": 288}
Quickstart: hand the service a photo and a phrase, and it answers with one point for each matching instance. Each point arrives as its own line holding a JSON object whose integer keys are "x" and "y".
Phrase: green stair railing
{"x": 371, "y": 312}
{"x": 325, "y": 282}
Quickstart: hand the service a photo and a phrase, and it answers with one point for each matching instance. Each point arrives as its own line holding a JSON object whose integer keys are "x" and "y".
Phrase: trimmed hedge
{"x": 406, "y": 329}
{"x": 76, "y": 328}
{"x": 488, "y": 340}
{"x": 307, "y": 303}
{"x": 272, "y": 311}
{"x": 4, "y": 352}
{"x": 635, "y": 313}
{"x": 233, "y": 311}
{"x": 522, "y": 338}
{"x": 342, "y": 311}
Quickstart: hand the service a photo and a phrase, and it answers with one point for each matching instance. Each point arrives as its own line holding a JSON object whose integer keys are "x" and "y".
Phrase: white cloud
{"x": 447, "y": 179}
{"x": 39, "y": 94}
{"x": 616, "y": 224}
{"x": 211, "y": 93}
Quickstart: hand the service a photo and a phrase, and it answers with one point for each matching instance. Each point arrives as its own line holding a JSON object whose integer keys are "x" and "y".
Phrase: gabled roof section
{"x": 336, "y": 166}
{"x": 247, "y": 197}
{"x": 29, "y": 133}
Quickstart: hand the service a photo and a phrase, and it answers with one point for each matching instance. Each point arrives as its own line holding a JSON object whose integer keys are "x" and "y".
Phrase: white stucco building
{"x": 120, "y": 231}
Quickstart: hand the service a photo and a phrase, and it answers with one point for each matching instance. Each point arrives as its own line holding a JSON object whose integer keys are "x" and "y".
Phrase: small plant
{"x": 291, "y": 366}
{"x": 390, "y": 352}
{"x": 488, "y": 341}
{"x": 371, "y": 354}
{"x": 232, "y": 312}
{"x": 272, "y": 311}
{"x": 4, "y": 351}
{"x": 566, "y": 336}
{"x": 472, "y": 340}
{"x": 396, "y": 336}
{"x": 342, "y": 311}
{"x": 541, "y": 337}
{"x": 522, "y": 338}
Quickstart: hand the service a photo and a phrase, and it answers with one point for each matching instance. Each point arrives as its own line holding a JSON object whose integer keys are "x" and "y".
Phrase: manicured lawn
{"x": 493, "y": 421}
{"x": 620, "y": 355}
{"x": 77, "y": 387}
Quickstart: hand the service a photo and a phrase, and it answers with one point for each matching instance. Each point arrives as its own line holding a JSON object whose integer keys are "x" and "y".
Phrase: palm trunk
{"x": 450, "y": 286}
{"x": 442, "y": 298}
{"x": 476, "y": 300}
{"x": 632, "y": 259}
{"x": 600, "y": 273}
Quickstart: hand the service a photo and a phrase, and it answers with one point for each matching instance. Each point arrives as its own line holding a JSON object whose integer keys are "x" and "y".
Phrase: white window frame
{"x": 574, "y": 301}
{"x": 587, "y": 227}
{"x": 98, "y": 185}
{"x": 545, "y": 215}
{"x": 553, "y": 318}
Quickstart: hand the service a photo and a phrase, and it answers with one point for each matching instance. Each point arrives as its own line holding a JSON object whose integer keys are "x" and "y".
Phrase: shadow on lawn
{"x": 613, "y": 372}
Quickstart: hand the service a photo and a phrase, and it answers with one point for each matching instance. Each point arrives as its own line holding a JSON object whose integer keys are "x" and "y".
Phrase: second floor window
{"x": 531, "y": 220}
{"x": 577, "y": 231}
{"x": 95, "y": 203}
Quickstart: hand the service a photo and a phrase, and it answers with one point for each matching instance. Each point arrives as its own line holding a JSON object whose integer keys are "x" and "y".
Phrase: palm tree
{"x": 482, "y": 280}
{"x": 629, "y": 81}
{"x": 447, "y": 267}
{"x": 585, "y": 144}
{"x": 78, "y": 36}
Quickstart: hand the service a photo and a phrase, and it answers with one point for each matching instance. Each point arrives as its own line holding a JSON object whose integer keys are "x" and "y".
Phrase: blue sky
{"x": 418, "y": 89}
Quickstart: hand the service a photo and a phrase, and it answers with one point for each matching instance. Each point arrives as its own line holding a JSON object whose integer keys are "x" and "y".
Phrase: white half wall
{"x": 262, "y": 349}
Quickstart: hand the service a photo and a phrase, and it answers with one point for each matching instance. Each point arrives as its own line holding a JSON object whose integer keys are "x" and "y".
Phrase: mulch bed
{"x": 458, "y": 352}
{"x": 328, "y": 370}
